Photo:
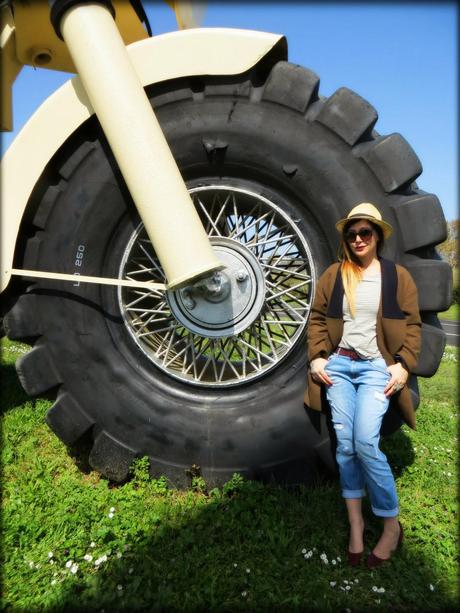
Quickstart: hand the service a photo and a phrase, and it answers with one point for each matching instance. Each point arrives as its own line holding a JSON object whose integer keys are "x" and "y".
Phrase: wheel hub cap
{"x": 229, "y": 301}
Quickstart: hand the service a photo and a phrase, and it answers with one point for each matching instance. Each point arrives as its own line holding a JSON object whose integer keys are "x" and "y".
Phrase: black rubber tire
{"x": 316, "y": 158}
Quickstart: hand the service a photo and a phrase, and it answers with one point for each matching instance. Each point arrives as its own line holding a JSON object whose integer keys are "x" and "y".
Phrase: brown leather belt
{"x": 349, "y": 353}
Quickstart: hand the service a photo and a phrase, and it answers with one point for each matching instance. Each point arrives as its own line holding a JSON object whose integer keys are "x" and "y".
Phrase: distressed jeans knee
{"x": 351, "y": 477}
{"x": 368, "y": 450}
{"x": 344, "y": 436}
{"x": 345, "y": 447}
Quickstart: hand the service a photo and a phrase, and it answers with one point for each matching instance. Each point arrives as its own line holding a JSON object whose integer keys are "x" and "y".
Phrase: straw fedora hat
{"x": 366, "y": 210}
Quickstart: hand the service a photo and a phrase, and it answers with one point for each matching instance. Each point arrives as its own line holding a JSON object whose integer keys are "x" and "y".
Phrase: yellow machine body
{"x": 28, "y": 38}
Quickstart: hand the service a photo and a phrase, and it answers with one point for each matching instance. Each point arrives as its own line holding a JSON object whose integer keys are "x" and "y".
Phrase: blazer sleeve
{"x": 319, "y": 344}
{"x": 408, "y": 301}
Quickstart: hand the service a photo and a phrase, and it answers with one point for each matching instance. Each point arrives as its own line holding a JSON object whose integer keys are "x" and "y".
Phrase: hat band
{"x": 364, "y": 216}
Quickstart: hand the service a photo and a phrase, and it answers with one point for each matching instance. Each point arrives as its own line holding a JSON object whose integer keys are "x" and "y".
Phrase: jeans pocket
{"x": 379, "y": 365}
{"x": 330, "y": 359}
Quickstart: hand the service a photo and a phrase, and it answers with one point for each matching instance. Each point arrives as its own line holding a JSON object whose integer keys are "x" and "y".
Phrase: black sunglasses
{"x": 364, "y": 233}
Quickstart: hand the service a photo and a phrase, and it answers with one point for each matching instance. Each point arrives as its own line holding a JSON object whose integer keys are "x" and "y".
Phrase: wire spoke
{"x": 151, "y": 258}
{"x": 288, "y": 292}
{"x": 280, "y": 322}
{"x": 291, "y": 309}
{"x": 237, "y": 216}
{"x": 248, "y": 227}
{"x": 256, "y": 351}
{"x": 155, "y": 331}
{"x": 213, "y": 225}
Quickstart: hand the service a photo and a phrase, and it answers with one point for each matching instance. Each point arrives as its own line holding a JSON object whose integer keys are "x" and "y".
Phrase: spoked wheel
{"x": 213, "y": 375}
{"x": 239, "y": 324}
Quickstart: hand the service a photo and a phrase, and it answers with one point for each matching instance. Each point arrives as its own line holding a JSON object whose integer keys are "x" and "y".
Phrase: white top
{"x": 360, "y": 333}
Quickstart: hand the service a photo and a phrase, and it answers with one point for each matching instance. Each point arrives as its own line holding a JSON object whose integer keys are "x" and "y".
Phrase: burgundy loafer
{"x": 374, "y": 561}
{"x": 354, "y": 559}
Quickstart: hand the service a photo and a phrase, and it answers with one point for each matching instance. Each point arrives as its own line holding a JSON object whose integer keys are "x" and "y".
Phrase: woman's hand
{"x": 318, "y": 373}
{"x": 399, "y": 376}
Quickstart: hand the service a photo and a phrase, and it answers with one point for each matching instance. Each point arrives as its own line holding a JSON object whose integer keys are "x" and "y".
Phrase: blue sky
{"x": 401, "y": 57}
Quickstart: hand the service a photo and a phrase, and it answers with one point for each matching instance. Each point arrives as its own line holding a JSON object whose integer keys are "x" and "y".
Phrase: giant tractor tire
{"x": 213, "y": 377}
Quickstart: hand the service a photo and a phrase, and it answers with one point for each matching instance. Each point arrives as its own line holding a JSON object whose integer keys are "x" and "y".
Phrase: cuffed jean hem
{"x": 385, "y": 513}
{"x": 353, "y": 493}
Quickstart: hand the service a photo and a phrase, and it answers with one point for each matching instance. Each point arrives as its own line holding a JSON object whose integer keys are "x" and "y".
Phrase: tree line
{"x": 449, "y": 251}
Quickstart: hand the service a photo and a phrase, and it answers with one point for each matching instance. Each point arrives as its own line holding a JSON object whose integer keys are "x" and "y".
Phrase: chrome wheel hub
{"x": 226, "y": 303}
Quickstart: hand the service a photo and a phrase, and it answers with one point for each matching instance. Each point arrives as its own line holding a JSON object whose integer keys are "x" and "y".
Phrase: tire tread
{"x": 68, "y": 420}
{"x": 433, "y": 279}
{"x": 111, "y": 458}
{"x": 412, "y": 213}
{"x": 20, "y": 322}
{"x": 292, "y": 86}
{"x": 392, "y": 160}
{"x": 433, "y": 344}
{"x": 348, "y": 115}
{"x": 37, "y": 372}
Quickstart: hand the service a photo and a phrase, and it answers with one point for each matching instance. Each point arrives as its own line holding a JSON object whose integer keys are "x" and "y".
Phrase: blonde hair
{"x": 351, "y": 275}
{"x": 351, "y": 270}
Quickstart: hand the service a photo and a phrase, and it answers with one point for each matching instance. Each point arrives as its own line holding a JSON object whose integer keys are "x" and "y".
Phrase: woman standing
{"x": 363, "y": 341}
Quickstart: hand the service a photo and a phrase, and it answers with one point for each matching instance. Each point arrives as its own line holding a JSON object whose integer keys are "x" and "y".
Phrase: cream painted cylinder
{"x": 138, "y": 143}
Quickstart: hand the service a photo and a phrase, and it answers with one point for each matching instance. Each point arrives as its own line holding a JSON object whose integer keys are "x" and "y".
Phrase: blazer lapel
{"x": 390, "y": 306}
{"x": 335, "y": 307}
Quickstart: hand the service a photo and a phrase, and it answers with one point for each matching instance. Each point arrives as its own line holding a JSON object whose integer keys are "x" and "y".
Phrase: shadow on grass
{"x": 243, "y": 552}
{"x": 11, "y": 394}
{"x": 399, "y": 452}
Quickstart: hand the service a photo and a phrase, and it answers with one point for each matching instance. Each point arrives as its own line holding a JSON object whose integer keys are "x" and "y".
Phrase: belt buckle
{"x": 349, "y": 353}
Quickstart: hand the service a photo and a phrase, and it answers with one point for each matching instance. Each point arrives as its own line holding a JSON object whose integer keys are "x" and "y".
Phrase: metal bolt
{"x": 189, "y": 303}
{"x": 241, "y": 275}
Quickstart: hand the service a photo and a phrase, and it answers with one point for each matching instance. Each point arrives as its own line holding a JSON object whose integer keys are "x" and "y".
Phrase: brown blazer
{"x": 398, "y": 327}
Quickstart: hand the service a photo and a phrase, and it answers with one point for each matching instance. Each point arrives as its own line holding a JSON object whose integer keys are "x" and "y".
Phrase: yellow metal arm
{"x": 138, "y": 143}
{"x": 77, "y": 279}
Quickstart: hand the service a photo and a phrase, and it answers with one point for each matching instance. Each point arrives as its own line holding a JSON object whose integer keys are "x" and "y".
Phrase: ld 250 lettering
{"x": 79, "y": 254}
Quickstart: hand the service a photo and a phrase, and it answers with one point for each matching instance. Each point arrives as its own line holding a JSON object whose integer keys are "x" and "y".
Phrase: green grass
{"x": 232, "y": 549}
{"x": 453, "y": 313}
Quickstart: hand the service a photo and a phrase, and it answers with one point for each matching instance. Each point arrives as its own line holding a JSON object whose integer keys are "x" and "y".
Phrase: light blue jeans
{"x": 358, "y": 405}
